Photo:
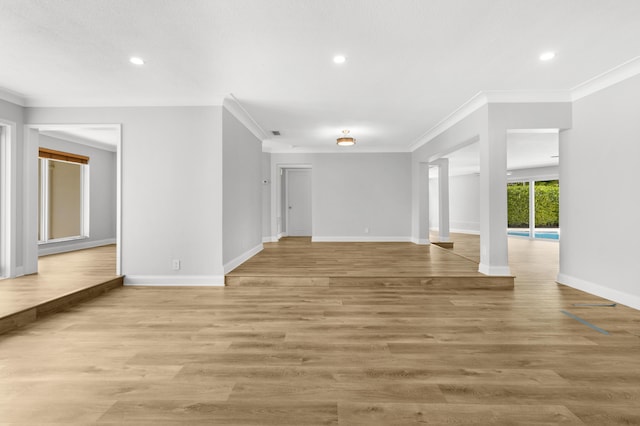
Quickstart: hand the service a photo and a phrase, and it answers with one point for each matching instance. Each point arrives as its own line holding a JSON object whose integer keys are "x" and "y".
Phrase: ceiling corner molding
{"x": 485, "y": 97}
{"x": 608, "y": 78}
{"x": 476, "y": 102}
{"x": 236, "y": 109}
{"x": 526, "y": 96}
{"x": 14, "y": 98}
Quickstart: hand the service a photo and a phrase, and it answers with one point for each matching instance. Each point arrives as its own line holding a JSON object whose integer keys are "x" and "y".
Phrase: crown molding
{"x": 236, "y": 109}
{"x": 335, "y": 150}
{"x": 485, "y": 97}
{"x": 64, "y": 102}
{"x": 469, "y": 107}
{"x": 608, "y": 78}
{"x": 13, "y": 97}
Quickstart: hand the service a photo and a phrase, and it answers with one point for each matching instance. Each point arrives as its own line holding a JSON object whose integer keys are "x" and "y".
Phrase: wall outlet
{"x": 175, "y": 264}
{"x": 366, "y": 230}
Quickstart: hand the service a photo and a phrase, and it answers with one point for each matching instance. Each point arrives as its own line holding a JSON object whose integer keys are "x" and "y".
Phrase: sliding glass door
{"x": 533, "y": 209}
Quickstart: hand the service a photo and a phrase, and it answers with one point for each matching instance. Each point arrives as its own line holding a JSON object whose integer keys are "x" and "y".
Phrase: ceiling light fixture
{"x": 339, "y": 59}
{"x": 547, "y": 56}
{"x": 136, "y": 61}
{"x": 345, "y": 139}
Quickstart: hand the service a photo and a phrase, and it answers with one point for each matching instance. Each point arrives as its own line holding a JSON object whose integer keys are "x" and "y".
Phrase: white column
{"x": 532, "y": 209}
{"x": 443, "y": 198}
{"x": 493, "y": 203}
{"x": 423, "y": 203}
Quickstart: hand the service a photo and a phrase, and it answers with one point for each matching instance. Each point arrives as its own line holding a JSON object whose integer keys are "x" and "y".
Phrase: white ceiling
{"x": 409, "y": 62}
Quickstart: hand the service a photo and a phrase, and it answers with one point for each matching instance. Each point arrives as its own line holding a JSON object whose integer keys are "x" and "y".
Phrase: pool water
{"x": 548, "y": 235}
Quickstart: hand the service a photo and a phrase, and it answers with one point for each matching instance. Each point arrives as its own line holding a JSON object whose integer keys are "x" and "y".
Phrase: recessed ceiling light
{"x": 547, "y": 56}
{"x": 136, "y": 61}
{"x": 339, "y": 59}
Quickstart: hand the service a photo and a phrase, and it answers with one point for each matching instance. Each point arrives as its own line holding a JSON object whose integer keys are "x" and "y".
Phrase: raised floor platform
{"x": 64, "y": 280}
{"x": 296, "y": 261}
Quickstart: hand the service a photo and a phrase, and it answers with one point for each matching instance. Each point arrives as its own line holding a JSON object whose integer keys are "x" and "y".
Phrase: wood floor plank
{"x": 343, "y": 354}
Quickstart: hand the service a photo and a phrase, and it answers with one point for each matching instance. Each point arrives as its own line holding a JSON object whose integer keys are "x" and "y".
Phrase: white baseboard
{"x": 74, "y": 246}
{"x": 370, "y": 239}
{"x": 234, "y": 263}
{"x": 421, "y": 241}
{"x": 627, "y": 299}
{"x": 19, "y": 271}
{"x": 175, "y": 280}
{"x": 464, "y": 231}
{"x": 270, "y": 239}
{"x": 501, "y": 271}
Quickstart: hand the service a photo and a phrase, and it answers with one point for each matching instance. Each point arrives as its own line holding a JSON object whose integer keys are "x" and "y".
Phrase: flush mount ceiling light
{"x": 547, "y": 56}
{"x": 345, "y": 139}
{"x": 136, "y": 61}
{"x": 339, "y": 59}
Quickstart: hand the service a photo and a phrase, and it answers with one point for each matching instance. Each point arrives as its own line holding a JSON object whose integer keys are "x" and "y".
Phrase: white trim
{"x": 119, "y": 201}
{"x": 270, "y": 239}
{"x": 19, "y": 271}
{"x": 236, "y": 109}
{"x": 421, "y": 241}
{"x": 502, "y": 271}
{"x": 465, "y": 231}
{"x": 8, "y": 179}
{"x": 627, "y": 299}
{"x": 608, "y": 78}
{"x": 66, "y": 101}
{"x": 234, "y": 263}
{"x": 175, "y": 280}
{"x": 331, "y": 150}
{"x": 526, "y": 96}
{"x": 463, "y": 111}
{"x": 30, "y": 199}
{"x": 12, "y": 97}
{"x": 371, "y": 239}
{"x": 44, "y": 250}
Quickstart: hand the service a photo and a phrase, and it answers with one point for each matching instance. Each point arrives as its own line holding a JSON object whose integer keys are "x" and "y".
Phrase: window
{"x": 63, "y": 194}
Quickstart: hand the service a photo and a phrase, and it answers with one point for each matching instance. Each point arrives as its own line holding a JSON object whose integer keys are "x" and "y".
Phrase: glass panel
{"x": 547, "y": 202}
{"x": 65, "y": 199}
{"x": 518, "y": 208}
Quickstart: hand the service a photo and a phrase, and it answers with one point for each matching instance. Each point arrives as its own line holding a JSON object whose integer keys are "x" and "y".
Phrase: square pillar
{"x": 493, "y": 203}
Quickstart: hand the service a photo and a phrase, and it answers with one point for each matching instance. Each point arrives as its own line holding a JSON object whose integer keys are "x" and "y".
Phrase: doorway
{"x": 298, "y": 213}
{"x": 100, "y": 213}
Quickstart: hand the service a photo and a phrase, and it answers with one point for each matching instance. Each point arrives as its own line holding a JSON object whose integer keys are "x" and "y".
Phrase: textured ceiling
{"x": 409, "y": 62}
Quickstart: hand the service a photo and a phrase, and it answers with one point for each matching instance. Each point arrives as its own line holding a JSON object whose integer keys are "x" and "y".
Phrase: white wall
{"x": 102, "y": 198}
{"x": 171, "y": 188}
{"x": 464, "y": 207}
{"x": 13, "y": 113}
{"x": 242, "y": 192}
{"x": 352, "y": 192}
{"x": 599, "y": 205}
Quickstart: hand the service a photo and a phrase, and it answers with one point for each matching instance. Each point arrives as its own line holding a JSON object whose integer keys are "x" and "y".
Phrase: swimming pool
{"x": 547, "y": 235}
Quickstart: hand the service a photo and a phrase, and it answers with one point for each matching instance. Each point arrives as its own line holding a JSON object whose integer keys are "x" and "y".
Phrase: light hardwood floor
{"x": 59, "y": 274}
{"x": 317, "y": 355}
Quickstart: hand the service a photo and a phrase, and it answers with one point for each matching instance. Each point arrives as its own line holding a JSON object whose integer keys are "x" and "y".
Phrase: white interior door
{"x": 299, "y": 202}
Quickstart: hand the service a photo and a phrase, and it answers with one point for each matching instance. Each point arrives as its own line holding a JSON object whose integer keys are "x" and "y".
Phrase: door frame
{"x": 277, "y": 189}
{"x": 30, "y": 202}
{"x": 8, "y": 179}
